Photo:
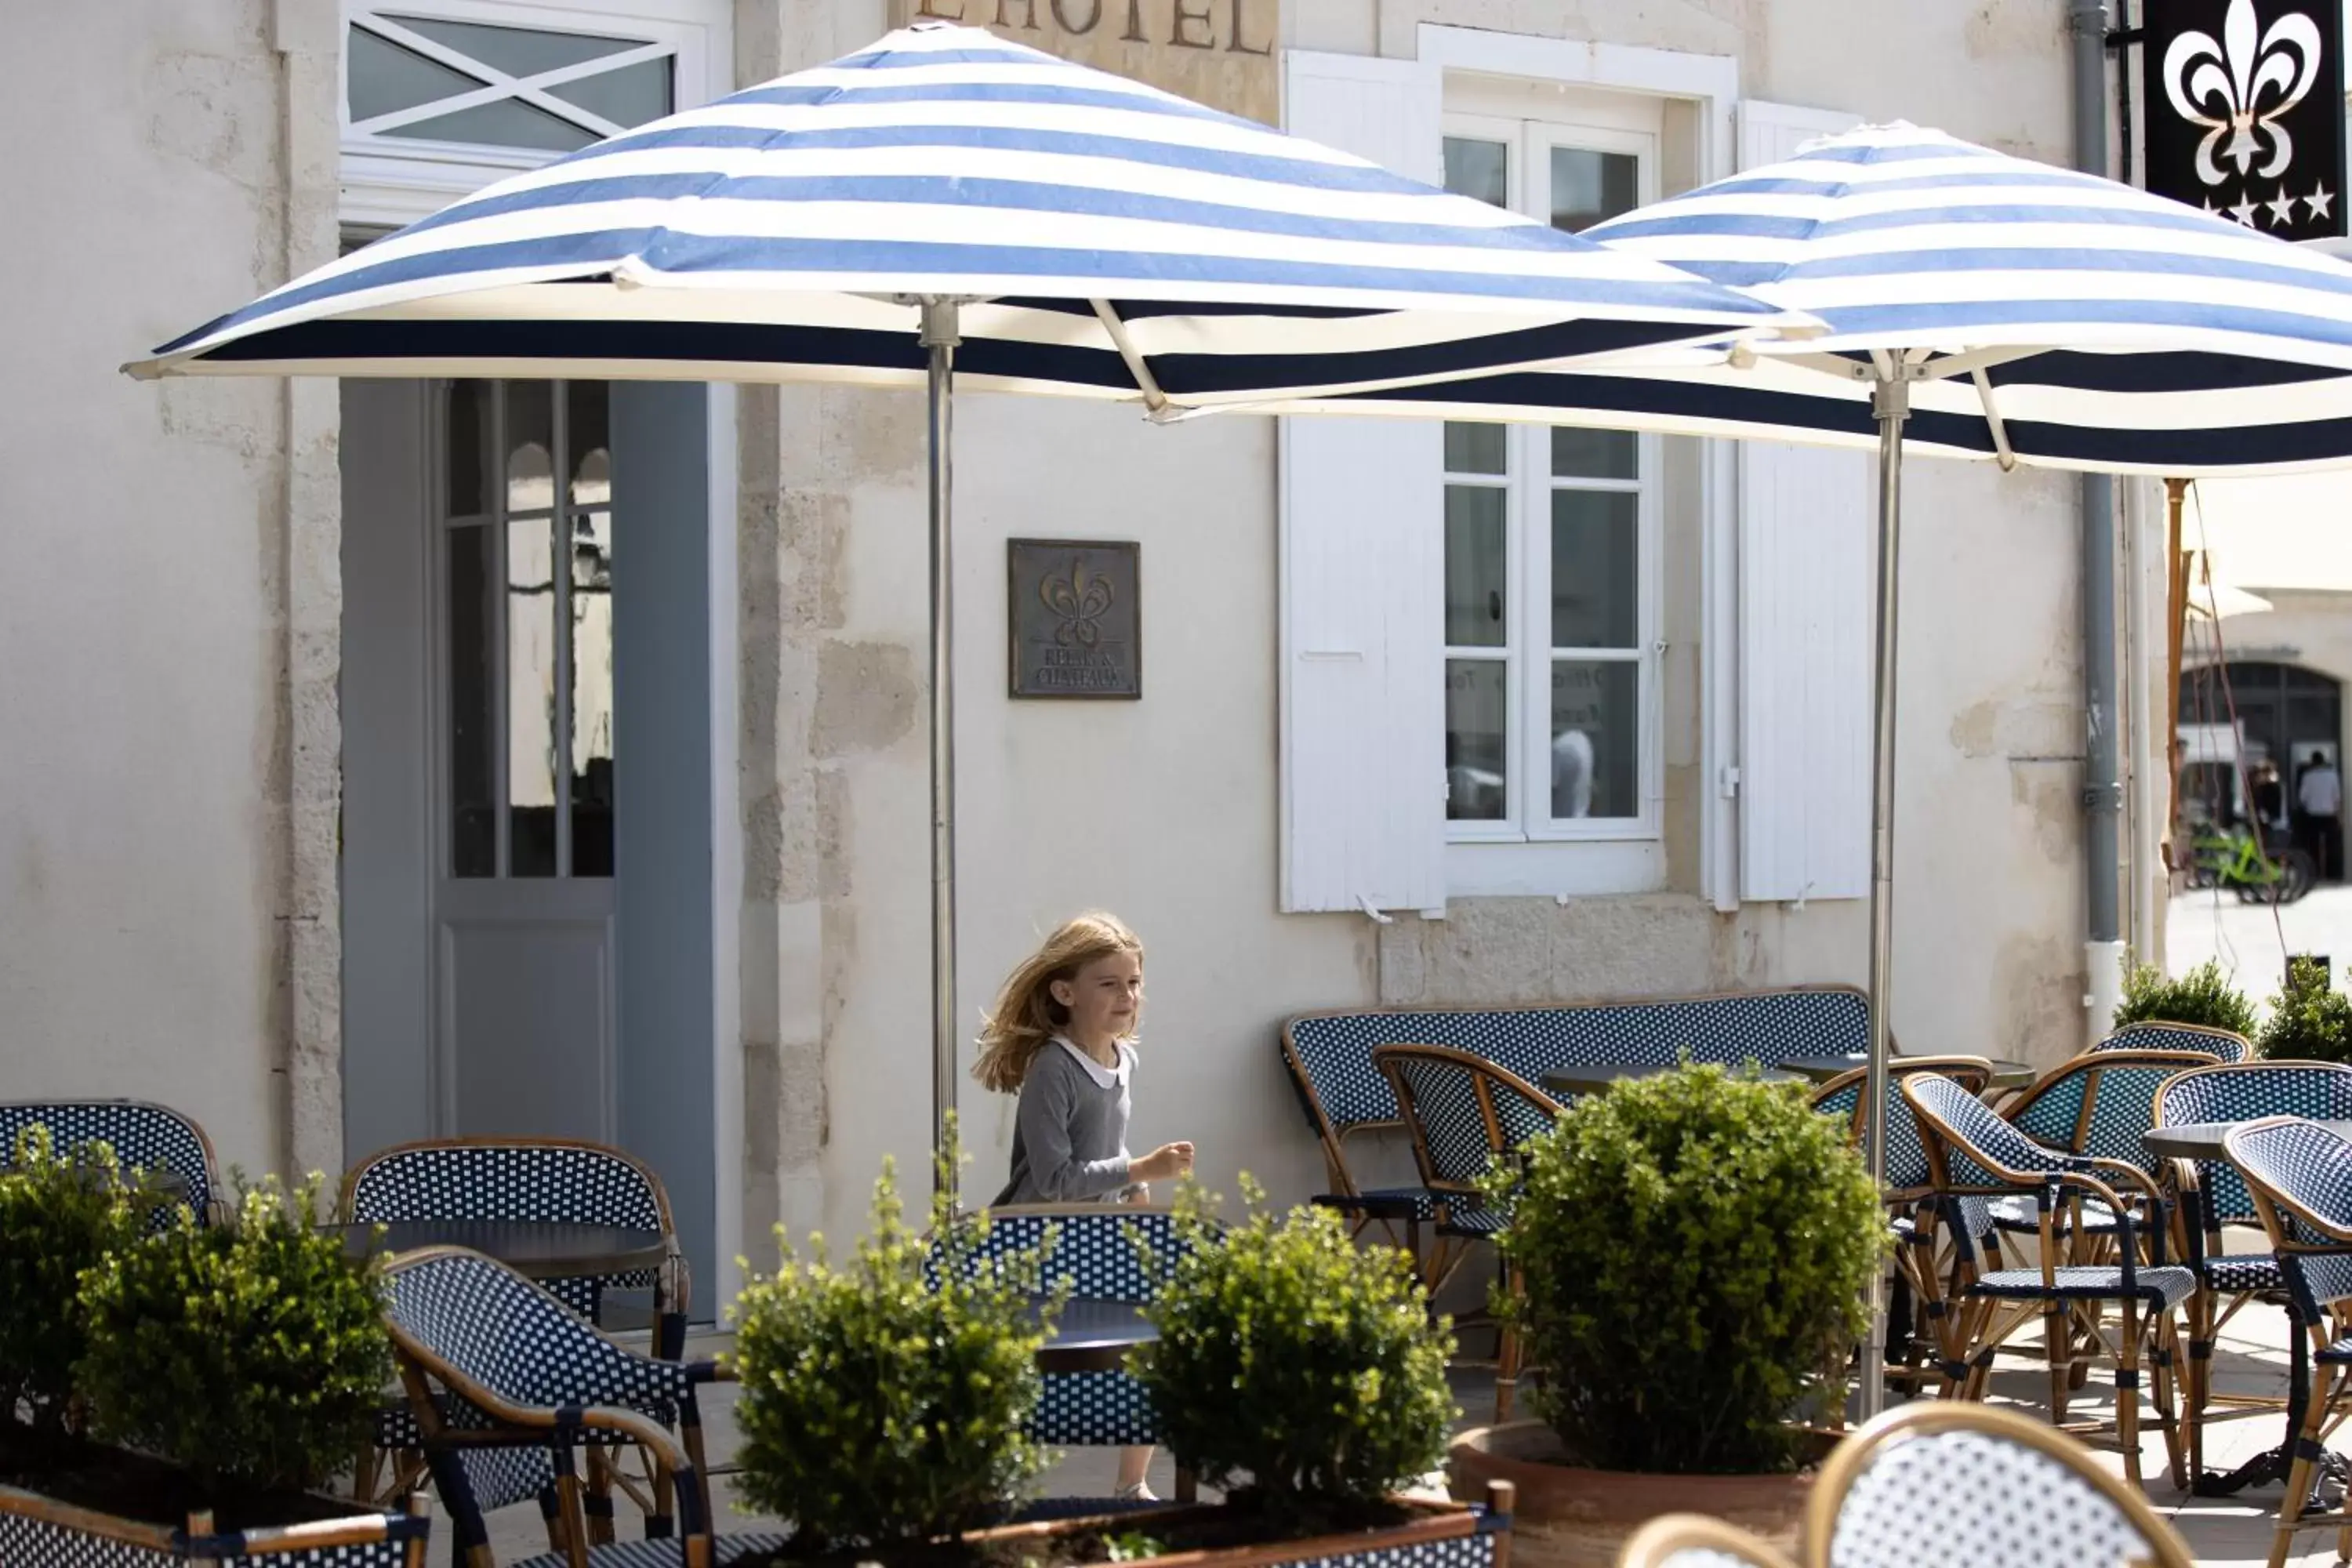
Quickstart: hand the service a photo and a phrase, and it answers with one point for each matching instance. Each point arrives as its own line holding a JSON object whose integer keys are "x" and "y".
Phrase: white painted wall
{"x": 144, "y": 818}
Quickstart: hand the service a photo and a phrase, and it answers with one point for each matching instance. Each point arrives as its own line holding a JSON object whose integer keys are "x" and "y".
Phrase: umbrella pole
{"x": 940, "y": 337}
{"x": 1890, "y": 405}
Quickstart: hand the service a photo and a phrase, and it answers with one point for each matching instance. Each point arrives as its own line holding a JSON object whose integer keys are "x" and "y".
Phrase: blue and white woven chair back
{"x": 2040, "y": 1499}
{"x": 142, "y": 1135}
{"x": 2305, "y": 1172}
{"x": 1975, "y": 1138}
{"x": 2155, "y": 1036}
{"x": 2101, "y": 1103}
{"x": 1465, "y": 1113}
{"x": 550, "y": 1181}
{"x": 1906, "y": 1157}
{"x": 1696, "y": 1541}
{"x": 1098, "y": 1252}
{"x": 497, "y": 1331}
{"x": 2249, "y": 1091}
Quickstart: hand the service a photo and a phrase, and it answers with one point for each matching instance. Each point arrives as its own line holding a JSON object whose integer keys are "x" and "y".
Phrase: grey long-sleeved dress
{"x": 1069, "y": 1138}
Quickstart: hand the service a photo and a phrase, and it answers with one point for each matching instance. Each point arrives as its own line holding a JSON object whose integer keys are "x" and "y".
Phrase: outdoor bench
{"x": 1330, "y": 1056}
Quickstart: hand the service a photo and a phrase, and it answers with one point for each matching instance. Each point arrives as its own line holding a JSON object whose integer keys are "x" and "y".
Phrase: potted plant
{"x": 216, "y": 1374}
{"x": 1692, "y": 1251}
{"x": 2310, "y": 1020}
{"x": 2203, "y": 996}
{"x": 883, "y": 1402}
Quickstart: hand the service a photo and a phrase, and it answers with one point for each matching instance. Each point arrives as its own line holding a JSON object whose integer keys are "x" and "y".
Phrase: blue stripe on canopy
{"x": 946, "y": 161}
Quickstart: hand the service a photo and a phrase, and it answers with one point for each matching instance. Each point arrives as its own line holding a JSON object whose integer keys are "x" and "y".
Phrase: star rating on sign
{"x": 2244, "y": 210}
{"x": 2320, "y": 200}
{"x": 2282, "y": 208}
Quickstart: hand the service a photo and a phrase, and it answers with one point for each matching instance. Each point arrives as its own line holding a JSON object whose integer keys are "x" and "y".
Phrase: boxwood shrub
{"x": 2203, "y": 996}
{"x": 885, "y": 1403}
{"x": 1294, "y": 1365}
{"x": 1695, "y": 1249}
{"x": 60, "y": 1215}
{"x": 2310, "y": 1020}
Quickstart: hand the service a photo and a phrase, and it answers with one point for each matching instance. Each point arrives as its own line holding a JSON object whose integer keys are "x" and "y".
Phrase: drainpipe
{"x": 2102, "y": 790}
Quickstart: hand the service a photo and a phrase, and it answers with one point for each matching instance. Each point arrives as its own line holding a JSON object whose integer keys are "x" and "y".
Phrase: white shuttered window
{"x": 1806, "y": 555}
{"x": 1363, "y": 769}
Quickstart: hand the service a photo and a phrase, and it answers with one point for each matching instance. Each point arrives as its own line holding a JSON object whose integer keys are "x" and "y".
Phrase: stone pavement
{"x": 2250, "y": 942}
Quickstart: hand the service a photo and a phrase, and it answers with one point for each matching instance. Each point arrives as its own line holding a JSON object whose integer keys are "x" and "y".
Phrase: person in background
{"x": 2269, "y": 796}
{"x": 1061, "y": 1037}
{"x": 2320, "y": 793}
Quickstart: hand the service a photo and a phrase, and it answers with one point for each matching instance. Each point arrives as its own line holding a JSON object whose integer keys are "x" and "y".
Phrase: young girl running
{"x": 1062, "y": 1036}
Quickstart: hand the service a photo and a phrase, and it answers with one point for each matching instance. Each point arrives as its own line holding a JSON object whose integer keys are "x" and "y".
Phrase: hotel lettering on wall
{"x": 2245, "y": 110}
{"x": 1217, "y": 52}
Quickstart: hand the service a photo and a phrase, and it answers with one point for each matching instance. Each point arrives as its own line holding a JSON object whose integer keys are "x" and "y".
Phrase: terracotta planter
{"x": 1571, "y": 1517}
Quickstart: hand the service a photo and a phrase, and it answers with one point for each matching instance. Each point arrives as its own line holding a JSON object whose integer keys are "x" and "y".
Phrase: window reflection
{"x": 1596, "y": 737}
{"x": 1476, "y": 740}
{"x": 592, "y": 694}
{"x": 531, "y": 700}
{"x": 473, "y": 805}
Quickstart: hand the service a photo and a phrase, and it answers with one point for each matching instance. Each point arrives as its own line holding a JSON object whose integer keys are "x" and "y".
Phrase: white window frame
{"x": 390, "y": 181}
{"x": 1529, "y": 850}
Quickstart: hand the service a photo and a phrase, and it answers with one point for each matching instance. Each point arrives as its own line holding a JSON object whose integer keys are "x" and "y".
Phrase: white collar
{"x": 1104, "y": 1076}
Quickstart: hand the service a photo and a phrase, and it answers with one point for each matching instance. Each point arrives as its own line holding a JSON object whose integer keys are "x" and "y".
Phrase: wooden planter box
{"x": 1441, "y": 1534}
{"x": 38, "y": 1529}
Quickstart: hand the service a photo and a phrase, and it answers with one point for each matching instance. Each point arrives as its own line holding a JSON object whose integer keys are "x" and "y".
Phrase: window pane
{"x": 1475, "y": 566}
{"x": 1596, "y": 729}
{"x": 1474, "y": 449}
{"x": 385, "y": 76}
{"x": 531, "y": 699}
{"x": 1595, "y": 454}
{"x": 473, "y": 809}
{"x": 504, "y": 122}
{"x": 1476, "y": 740}
{"x": 587, "y": 420}
{"x": 1595, "y": 569}
{"x": 470, "y": 448}
{"x": 1588, "y": 186}
{"x": 531, "y": 442}
{"x": 518, "y": 51}
{"x": 630, "y": 96}
{"x": 592, "y": 694}
{"x": 1478, "y": 169}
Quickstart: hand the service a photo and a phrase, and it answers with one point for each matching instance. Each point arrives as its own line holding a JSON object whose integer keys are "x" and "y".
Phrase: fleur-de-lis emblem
{"x": 1080, "y": 599}
{"x": 2239, "y": 86}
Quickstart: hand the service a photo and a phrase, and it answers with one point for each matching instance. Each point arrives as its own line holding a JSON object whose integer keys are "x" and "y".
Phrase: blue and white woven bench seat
{"x": 2165, "y": 1286}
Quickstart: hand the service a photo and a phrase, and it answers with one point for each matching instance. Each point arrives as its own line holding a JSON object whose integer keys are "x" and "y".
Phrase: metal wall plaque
{"x": 2245, "y": 110}
{"x": 1078, "y": 619}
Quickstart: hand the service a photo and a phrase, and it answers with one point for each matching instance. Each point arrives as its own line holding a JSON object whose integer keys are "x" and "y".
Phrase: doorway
{"x": 2236, "y": 717}
{"x": 526, "y": 912}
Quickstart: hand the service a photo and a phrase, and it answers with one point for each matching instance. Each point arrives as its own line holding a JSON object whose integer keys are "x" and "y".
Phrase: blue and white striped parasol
{"x": 1106, "y": 238}
{"x": 2059, "y": 319}
{"x": 1979, "y": 305}
{"x": 948, "y": 203}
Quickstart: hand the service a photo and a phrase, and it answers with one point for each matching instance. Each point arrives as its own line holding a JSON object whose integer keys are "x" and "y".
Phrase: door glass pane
{"x": 1596, "y": 737}
{"x": 518, "y": 51}
{"x": 1472, "y": 449}
{"x": 629, "y": 95}
{"x": 592, "y": 694}
{"x": 1475, "y": 566}
{"x": 385, "y": 76}
{"x": 469, "y": 448}
{"x": 1595, "y": 569}
{"x": 1588, "y": 187}
{"x": 587, "y": 414}
{"x": 503, "y": 122}
{"x": 1595, "y": 454}
{"x": 531, "y": 445}
{"x": 473, "y": 808}
{"x": 1476, "y": 740}
{"x": 530, "y": 698}
{"x": 1478, "y": 169}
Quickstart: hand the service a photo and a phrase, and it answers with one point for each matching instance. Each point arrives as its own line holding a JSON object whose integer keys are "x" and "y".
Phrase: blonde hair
{"x": 1027, "y": 1017}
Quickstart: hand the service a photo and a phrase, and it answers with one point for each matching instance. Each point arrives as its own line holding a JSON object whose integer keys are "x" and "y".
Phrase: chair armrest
{"x": 698, "y": 1373}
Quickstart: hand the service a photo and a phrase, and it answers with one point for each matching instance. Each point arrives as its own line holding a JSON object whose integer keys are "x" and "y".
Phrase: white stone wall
{"x": 167, "y": 639}
{"x": 1165, "y": 811}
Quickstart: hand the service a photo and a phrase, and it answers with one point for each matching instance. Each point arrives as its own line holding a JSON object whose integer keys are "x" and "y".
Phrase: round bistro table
{"x": 537, "y": 1249}
{"x": 2006, "y": 1074}
{"x": 1092, "y": 1335}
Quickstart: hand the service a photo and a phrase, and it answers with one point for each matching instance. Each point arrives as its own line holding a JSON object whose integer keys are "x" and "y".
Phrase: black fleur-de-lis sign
{"x": 2244, "y": 106}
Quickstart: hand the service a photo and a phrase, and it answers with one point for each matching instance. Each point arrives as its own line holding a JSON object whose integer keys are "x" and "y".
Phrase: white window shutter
{"x": 1362, "y": 574}
{"x": 1806, "y": 598}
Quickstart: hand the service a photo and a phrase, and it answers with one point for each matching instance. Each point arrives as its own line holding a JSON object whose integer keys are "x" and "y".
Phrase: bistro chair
{"x": 509, "y": 1385}
{"x": 1696, "y": 1541}
{"x": 1467, "y": 1115}
{"x": 1939, "y": 1485}
{"x": 2156, "y": 1035}
{"x": 2299, "y": 1176}
{"x": 2209, "y": 1195}
{"x": 1098, "y": 1252}
{"x": 143, "y": 1136}
{"x": 525, "y": 1180}
{"x": 1973, "y": 1151}
{"x": 1910, "y": 1190}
